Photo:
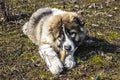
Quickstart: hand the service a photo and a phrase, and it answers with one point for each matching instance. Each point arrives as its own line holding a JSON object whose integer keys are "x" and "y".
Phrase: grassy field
{"x": 100, "y": 60}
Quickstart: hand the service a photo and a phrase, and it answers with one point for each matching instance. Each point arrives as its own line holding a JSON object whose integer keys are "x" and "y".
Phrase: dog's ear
{"x": 80, "y": 15}
{"x": 77, "y": 18}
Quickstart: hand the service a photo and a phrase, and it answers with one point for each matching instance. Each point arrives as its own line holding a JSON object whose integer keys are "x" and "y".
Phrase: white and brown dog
{"x": 58, "y": 34}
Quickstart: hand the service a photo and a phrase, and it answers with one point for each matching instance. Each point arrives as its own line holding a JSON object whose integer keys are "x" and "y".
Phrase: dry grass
{"x": 19, "y": 58}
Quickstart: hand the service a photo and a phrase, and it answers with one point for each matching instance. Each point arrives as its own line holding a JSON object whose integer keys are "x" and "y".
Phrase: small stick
{"x": 63, "y": 55}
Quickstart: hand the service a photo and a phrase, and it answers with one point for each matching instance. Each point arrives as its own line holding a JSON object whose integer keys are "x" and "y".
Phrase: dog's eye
{"x": 60, "y": 37}
{"x": 72, "y": 34}
{"x": 82, "y": 29}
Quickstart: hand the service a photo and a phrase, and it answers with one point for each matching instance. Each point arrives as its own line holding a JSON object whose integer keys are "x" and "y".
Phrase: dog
{"x": 58, "y": 34}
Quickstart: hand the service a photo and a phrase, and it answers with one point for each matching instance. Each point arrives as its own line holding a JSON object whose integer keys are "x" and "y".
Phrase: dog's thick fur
{"x": 43, "y": 29}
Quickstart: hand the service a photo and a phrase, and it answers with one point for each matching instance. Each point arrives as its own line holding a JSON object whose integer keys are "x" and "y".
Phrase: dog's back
{"x": 39, "y": 17}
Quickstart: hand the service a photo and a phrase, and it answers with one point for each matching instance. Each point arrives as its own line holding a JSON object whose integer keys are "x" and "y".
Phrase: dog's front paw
{"x": 53, "y": 62}
{"x": 69, "y": 62}
{"x": 54, "y": 65}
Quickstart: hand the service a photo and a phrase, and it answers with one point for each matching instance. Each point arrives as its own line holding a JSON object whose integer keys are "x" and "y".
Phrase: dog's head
{"x": 68, "y": 30}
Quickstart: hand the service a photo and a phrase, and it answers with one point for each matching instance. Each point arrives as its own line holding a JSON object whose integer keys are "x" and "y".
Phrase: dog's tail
{"x": 24, "y": 28}
{"x": 29, "y": 31}
{"x": 30, "y": 27}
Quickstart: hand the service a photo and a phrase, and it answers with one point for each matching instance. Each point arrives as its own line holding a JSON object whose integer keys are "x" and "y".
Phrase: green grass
{"x": 19, "y": 57}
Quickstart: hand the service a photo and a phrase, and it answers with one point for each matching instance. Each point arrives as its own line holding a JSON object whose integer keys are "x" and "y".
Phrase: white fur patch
{"x": 57, "y": 11}
{"x": 53, "y": 62}
{"x": 25, "y": 28}
{"x": 69, "y": 62}
{"x": 68, "y": 42}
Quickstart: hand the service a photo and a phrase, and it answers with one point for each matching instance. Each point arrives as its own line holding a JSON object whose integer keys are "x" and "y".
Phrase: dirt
{"x": 98, "y": 60}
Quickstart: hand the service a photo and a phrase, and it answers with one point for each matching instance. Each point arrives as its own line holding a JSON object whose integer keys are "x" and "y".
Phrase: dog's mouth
{"x": 64, "y": 53}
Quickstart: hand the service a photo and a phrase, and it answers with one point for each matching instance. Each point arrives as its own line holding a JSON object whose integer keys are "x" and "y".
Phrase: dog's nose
{"x": 68, "y": 47}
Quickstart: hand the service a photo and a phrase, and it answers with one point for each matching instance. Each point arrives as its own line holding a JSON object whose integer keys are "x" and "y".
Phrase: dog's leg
{"x": 69, "y": 61}
{"x": 53, "y": 62}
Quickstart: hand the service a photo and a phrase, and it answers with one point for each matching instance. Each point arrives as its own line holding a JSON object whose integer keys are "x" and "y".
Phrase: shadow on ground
{"x": 94, "y": 47}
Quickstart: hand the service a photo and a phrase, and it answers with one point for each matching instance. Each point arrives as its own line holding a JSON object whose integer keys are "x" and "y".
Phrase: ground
{"x": 99, "y": 60}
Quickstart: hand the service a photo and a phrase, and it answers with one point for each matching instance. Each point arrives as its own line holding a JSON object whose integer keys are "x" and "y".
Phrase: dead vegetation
{"x": 100, "y": 60}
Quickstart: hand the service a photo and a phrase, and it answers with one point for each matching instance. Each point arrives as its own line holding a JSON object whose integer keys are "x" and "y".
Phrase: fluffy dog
{"x": 58, "y": 34}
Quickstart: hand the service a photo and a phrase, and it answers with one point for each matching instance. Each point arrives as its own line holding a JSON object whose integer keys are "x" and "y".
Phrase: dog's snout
{"x": 68, "y": 47}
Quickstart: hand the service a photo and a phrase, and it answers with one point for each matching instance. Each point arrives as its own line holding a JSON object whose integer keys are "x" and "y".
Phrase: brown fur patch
{"x": 55, "y": 26}
{"x": 69, "y": 19}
